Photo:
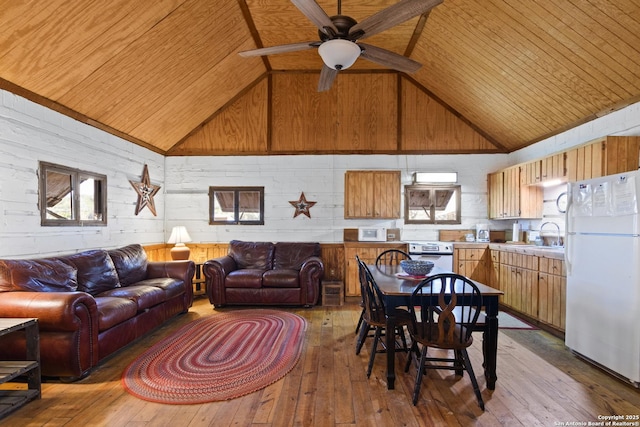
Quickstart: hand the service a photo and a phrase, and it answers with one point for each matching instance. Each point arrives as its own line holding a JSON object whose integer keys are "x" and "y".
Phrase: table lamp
{"x": 179, "y": 236}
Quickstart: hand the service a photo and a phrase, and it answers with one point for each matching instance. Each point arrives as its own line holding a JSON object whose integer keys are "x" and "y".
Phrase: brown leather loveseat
{"x": 265, "y": 273}
{"x": 90, "y": 304}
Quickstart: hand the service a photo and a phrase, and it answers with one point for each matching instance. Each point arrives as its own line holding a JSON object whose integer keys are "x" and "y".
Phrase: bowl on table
{"x": 416, "y": 267}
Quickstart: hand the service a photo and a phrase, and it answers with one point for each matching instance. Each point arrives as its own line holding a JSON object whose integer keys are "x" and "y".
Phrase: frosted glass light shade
{"x": 339, "y": 54}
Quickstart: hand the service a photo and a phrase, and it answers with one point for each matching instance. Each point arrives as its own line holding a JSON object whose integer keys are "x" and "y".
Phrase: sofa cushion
{"x": 131, "y": 263}
{"x": 258, "y": 255}
{"x": 144, "y": 296}
{"x": 96, "y": 272}
{"x": 37, "y": 275}
{"x": 112, "y": 310}
{"x": 172, "y": 287}
{"x": 282, "y": 278}
{"x": 291, "y": 255}
{"x": 245, "y": 278}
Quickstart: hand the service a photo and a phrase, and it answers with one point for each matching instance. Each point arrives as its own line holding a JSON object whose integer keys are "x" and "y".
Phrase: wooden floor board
{"x": 540, "y": 383}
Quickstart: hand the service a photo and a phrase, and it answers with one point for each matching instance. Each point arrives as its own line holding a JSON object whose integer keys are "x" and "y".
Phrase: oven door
{"x": 443, "y": 261}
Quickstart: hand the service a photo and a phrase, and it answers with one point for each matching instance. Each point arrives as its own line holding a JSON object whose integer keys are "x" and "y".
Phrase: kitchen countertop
{"x": 545, "y": 252}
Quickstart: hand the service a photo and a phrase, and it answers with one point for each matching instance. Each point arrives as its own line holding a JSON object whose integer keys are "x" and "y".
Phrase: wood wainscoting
{"x": 332, "y": 256}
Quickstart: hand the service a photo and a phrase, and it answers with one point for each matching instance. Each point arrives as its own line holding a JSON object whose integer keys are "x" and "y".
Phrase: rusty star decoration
{"x": 302, "y": 206}
{"x": 145, "y": 191}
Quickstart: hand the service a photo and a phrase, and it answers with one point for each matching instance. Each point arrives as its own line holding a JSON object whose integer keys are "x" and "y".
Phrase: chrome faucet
{"x": 557, "y": 243}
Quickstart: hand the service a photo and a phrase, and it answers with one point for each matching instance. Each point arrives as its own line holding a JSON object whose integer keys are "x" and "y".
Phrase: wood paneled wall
{"x": 332, "y": 255}
{"x": 376, "y": 112}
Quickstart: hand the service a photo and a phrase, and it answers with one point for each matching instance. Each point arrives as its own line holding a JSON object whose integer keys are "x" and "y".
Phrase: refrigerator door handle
{"x": 567, "y": 252}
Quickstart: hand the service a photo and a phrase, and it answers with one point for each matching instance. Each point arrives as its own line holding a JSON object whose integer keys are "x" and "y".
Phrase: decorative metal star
{"x": 145, "y": 191}
{"x": 302, "y": 206}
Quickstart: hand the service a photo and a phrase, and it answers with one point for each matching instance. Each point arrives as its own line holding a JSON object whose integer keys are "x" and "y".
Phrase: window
{"x": 71, "y": 196}
{"x": 236, "y": 205}
{"x": 432, "y": 204}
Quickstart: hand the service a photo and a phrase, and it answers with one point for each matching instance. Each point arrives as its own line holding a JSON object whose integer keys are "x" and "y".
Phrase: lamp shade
{"x": 179, "y": 236}
{"x": 339, "y": 54}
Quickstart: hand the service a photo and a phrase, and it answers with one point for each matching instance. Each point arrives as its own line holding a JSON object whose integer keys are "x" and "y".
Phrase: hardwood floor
{"x": 539, "y": 383}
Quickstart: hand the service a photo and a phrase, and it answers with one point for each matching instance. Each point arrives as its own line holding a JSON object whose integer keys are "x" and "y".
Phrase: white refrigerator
{"x": 602, "y": 254}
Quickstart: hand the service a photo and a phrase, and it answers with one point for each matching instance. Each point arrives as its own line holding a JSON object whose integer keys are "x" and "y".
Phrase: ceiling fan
{"x": 340, "y": 36}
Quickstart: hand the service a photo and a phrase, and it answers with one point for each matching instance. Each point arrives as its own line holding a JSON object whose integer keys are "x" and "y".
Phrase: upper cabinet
{"x": 510, "y": 198}
{"x": 547, "y": 169}
{"x": 372, "y": 194}
{"x": 604, "y": 156}
{"x": 515, "y": 193}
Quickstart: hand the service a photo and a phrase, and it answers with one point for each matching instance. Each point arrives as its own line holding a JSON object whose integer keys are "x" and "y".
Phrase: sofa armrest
{"x": 215, "y": 271}
{"x": 56, "y": 311}
{"x": 180, "y": 270}
{"x": 311, "y": 273}
{"x": 68, "y": 324}
{"x": 183, "y": 270}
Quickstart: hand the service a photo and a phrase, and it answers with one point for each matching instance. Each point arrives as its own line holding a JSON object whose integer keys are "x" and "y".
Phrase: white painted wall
{"x": 624, "y": 122}
{"x": 321, "y": 178}
{"x": 30, "y": 133}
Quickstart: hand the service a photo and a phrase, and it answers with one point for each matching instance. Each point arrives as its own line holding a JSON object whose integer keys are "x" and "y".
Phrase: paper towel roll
{"x": 516, "y": 232}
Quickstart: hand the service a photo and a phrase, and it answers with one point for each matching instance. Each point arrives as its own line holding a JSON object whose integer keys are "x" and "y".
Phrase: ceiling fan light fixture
{"x": 339, "y": 54}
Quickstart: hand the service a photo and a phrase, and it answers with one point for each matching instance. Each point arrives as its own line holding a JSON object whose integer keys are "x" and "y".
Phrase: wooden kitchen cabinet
{"x": 519, "y": 282}
{"x": 472, "y": 262}
{"x": 553, "y": 167}
{"x": 372, "y": 194}
{"x": 495, "y": 199}
{"x": 509, "y": 197}
{"x": 534, "y": 284}
{"x": 605, "y": 156}
{"x": 552, "y": 292}
{"x": 531, "y": 173}
{"x": 547, "y": 169}
{"x": 368, "y": 252}
{"x": 493, "y": 269}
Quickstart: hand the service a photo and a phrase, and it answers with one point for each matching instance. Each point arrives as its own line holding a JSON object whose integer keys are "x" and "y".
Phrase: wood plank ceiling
{"x": 497, "y": 75}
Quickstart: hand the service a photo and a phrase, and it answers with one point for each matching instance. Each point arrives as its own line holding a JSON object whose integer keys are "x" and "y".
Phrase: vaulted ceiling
{"x": 496, "y": 76}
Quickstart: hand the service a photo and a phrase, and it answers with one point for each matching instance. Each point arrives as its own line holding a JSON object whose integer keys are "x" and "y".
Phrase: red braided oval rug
{"x": 218, "y": 357}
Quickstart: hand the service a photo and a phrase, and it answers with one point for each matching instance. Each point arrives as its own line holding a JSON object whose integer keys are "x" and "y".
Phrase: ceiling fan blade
{"x": 391, "y": 16}
{"x": 389, "y": 59}
{"x": 327, "y": 76}
{"x": 315, "y": 14}
{"x": 283, "y": 48}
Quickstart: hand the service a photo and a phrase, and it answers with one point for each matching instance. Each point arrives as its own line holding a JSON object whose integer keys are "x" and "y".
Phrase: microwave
{"x": 372, "y": 234}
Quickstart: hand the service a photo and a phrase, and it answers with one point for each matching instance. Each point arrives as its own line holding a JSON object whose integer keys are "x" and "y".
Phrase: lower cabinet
{"x": 368, "y": 252}
{"x": 552, "y": 285}
{"x": 519, "y": 276}
{"x": 534, "y": 285}
{"x": 472, "y": 262}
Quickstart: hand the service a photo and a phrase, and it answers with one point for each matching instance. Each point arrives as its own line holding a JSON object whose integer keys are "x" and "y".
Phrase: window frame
{"x": 457, "y": 193}
{"x": 236, "y": 211}
{"x": 76, "y": 177}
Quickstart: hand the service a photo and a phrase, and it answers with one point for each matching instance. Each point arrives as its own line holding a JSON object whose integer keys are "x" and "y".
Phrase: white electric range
{"x": 440, "y": 253}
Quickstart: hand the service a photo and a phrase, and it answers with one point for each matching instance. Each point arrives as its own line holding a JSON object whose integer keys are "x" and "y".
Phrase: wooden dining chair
{"x": 439, "y": 319}
{"x": 375, "y": 317}
{"x": 388, "y": 257}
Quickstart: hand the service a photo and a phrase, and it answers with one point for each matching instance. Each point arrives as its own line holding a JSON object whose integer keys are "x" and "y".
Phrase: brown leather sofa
{"x": 265, "y": 273}
{"x": 90, "y": 304}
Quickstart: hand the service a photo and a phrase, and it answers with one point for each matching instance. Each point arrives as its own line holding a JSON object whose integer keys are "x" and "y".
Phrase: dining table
{"x": 396, "y": 288}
